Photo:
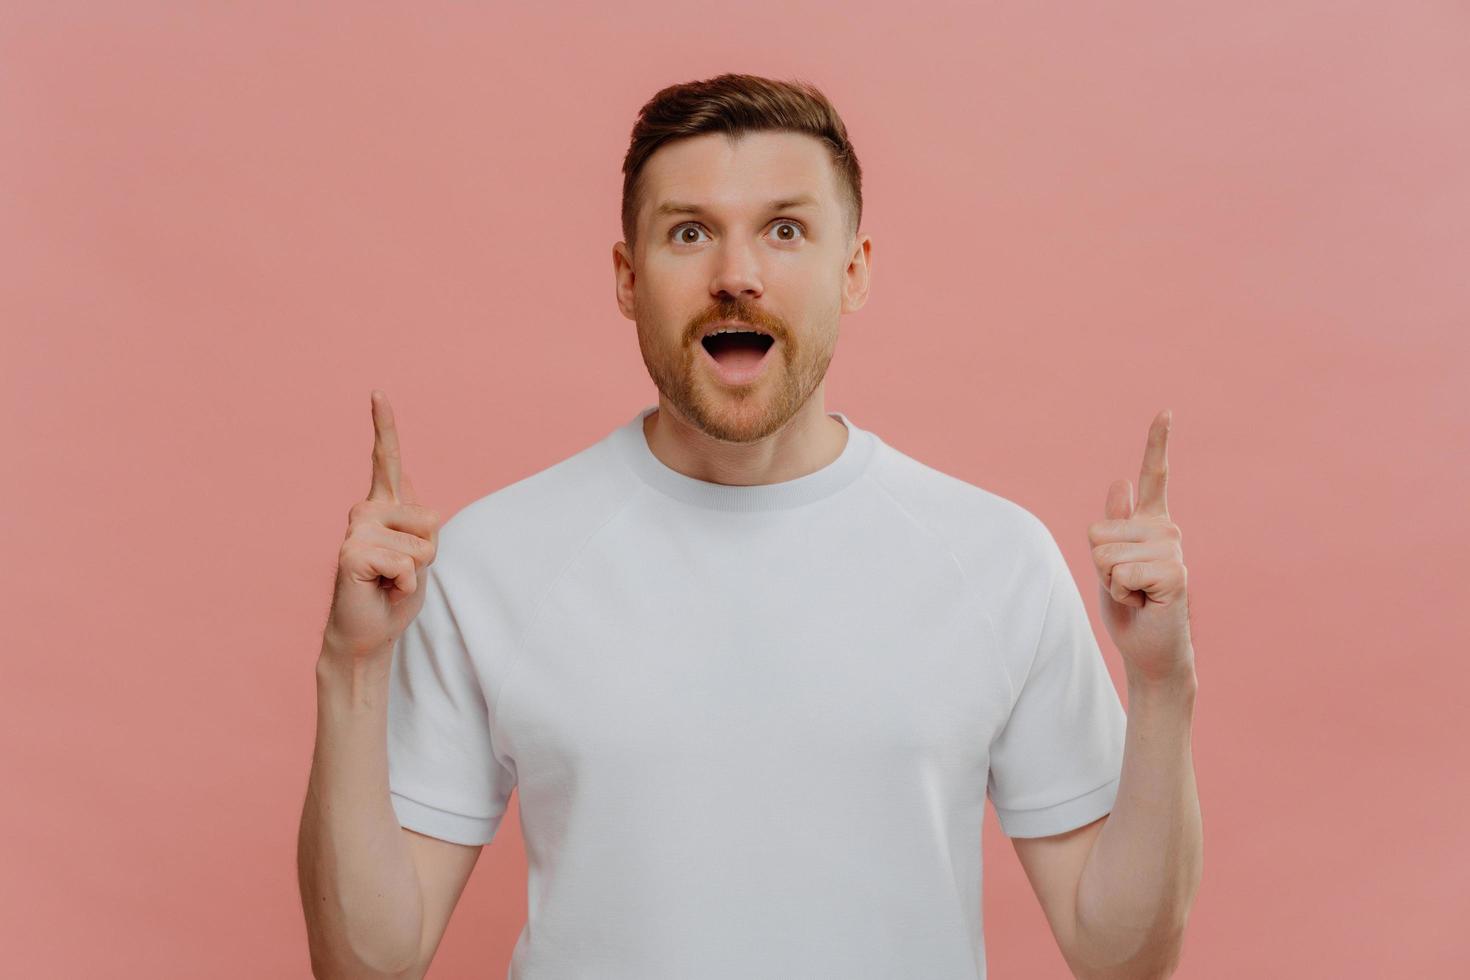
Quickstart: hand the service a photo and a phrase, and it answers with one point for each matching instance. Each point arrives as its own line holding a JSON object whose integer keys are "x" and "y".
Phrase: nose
{"x": 737, "y": 273}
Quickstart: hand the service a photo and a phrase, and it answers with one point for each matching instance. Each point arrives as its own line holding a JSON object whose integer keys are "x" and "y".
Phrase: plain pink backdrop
{"x": 219, "y": 229}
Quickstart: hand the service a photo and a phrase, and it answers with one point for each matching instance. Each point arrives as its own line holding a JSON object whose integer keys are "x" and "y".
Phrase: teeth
{"x": 732, "y": 330}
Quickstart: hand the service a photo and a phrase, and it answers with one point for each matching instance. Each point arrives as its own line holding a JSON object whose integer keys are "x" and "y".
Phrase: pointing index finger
{"x": 386, "y": 464}
{"x": 1153, "y": 478}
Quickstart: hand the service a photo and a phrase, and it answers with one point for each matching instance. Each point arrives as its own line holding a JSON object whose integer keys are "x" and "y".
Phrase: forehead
{"x": 715, "y": 172}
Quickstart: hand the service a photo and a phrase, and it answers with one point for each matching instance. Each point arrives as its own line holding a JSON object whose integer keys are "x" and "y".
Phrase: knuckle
{"x": 365, "y": 512}
{"x": 417, "y": 549}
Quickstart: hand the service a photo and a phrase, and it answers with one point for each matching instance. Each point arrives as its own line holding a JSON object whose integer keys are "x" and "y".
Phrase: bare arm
{"x": 376, "y": 896}
{"x": 1144, "y": 868}
{"x": 1141, "y": 875}
{"x": 359, "y": 887}
{"x": 444, "y": 868}
{"x": 1118, "y": 892}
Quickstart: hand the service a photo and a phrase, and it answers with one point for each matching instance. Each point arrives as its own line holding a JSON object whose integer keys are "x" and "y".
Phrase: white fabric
{"x": 752, "y": 728}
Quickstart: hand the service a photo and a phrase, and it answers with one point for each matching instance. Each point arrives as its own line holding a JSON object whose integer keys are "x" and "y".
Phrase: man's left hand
{"x": 1140, "y": 569}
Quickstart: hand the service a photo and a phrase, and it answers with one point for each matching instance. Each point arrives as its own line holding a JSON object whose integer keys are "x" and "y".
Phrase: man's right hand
{"x": 390, "y": 538}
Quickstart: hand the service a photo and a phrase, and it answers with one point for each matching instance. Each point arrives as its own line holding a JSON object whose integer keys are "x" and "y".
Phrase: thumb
{"x": 1120, "y": 500}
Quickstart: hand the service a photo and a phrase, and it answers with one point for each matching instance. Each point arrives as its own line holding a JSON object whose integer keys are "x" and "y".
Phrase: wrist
{"x": 1180, "y": 682}
{"x": 337, "y": 666}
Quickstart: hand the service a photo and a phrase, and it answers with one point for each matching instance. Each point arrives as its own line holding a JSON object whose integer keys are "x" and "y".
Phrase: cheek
{"x": 665, "y": 292}
{"x": 663, "y": 270}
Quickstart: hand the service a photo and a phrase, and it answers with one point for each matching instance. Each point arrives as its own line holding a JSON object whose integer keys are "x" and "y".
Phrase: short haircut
{"x": 737, "y": 104}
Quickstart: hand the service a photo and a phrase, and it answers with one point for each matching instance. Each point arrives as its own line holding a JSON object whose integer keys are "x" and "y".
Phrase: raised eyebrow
{"x": 785, "y": 204}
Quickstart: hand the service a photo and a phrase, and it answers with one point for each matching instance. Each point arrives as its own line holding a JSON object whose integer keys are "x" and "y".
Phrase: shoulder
{"x": 1009, "y": 556}
{"x": 509, "y": 544}
{"x": 992, "y": 536}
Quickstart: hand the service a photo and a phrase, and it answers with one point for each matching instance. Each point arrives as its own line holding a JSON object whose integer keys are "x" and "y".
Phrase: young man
{"x": 752, "y": 670}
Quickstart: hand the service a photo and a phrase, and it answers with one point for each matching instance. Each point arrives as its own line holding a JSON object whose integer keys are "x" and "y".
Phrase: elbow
{"x": 335, "y": 973}
{"x": 1156, "y": 959}
{"x": 326, "y": 969}
{"x": 1164, "y": 959}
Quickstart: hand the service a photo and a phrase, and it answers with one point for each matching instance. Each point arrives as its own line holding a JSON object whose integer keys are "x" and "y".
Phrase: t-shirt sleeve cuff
{"x": 1059, "y": 817}
{"x": 454, "y": 827}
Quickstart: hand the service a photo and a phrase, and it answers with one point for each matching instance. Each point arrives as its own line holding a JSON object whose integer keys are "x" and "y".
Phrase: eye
{"x": 786, "y": 222}
{"x": 677, "y": 232}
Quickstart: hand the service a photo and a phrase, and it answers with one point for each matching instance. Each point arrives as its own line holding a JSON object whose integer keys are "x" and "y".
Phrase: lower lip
{"x": 738, "y": 376}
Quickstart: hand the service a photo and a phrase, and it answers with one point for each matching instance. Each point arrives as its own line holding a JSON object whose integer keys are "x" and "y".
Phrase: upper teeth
{"x": 731, "y": 330}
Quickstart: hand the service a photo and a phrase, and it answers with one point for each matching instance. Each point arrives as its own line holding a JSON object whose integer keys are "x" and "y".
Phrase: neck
{"x": 810, "y": 440}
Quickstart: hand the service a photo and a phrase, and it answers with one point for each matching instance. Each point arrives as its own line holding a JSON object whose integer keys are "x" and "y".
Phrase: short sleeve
{"x": 1055, "y": 764}
{"x": 444, "y": 778}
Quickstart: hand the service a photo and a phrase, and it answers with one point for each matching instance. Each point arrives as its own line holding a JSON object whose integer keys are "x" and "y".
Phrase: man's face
{"x": 712, "y": 247}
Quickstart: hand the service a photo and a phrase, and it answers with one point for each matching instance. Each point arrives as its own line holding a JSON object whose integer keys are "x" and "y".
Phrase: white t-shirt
{"x": 753, "y": 727}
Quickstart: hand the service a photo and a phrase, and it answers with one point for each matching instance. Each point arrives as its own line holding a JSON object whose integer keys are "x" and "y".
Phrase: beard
{"x": 750, "y": 412}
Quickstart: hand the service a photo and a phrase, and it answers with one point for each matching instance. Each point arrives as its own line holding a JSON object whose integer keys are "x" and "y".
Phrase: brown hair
{"x": 738, "y": 104}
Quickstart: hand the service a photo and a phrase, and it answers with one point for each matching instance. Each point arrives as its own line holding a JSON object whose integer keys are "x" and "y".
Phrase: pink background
{"x": 219, "y": 229}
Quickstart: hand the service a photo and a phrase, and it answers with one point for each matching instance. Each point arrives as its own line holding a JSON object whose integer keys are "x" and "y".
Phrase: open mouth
{"x": 738, "y": 345}
{"x": 738, "y": 355}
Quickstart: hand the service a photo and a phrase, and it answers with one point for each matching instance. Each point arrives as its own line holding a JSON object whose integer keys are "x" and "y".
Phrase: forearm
{"x": 359, "y": 888}
{"x": 1141, "y": 876}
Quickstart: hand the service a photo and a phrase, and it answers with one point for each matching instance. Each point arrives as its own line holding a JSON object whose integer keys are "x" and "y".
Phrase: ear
{"x": 855, "y": 277}
{"x": 623, "y": 278}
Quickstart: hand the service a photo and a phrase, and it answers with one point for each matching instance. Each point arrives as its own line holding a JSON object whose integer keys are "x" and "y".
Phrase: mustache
{"x": 740, "y": 312}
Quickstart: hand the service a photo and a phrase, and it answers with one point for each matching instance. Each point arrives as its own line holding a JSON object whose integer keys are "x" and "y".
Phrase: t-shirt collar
{"x": 633, "y": 447}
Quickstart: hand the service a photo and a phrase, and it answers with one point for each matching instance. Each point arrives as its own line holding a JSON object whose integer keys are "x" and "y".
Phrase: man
{"x": 752, "y": 670}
